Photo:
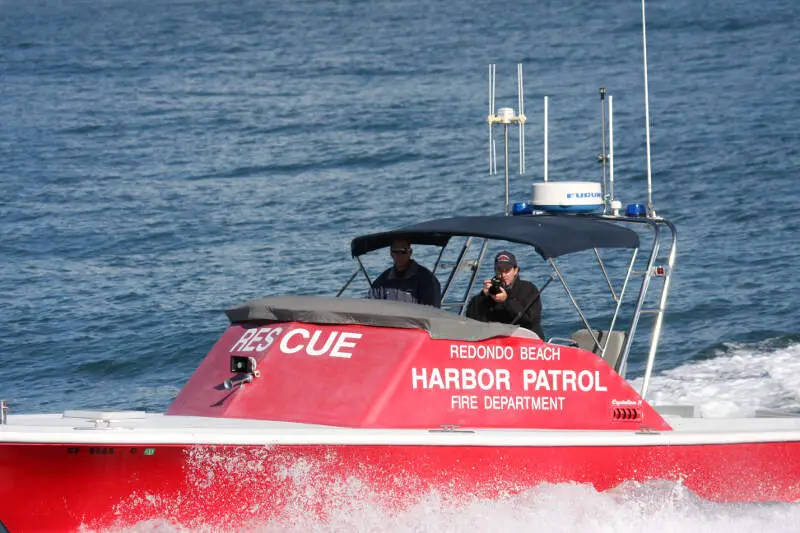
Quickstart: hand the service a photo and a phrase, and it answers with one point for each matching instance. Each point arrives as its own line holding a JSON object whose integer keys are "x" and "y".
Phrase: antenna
{"x": 545, "y": 138}
{"x": 521, "y": 123}
{"x": 603, "y": 157}
{"x": 650, "y": 210}
{"x": 506, "y": 116}
{"x": 492, "y": 153}
{"x": 615, "y": 204}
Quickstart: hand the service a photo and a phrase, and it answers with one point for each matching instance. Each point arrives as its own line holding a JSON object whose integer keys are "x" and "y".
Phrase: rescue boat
{"x": 305, "y": 400}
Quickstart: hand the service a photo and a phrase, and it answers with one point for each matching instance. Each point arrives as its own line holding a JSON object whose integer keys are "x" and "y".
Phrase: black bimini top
{"x": 551, "y": 235}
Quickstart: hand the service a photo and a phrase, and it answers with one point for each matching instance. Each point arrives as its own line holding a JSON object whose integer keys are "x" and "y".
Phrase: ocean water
{"x": 161, "y": 161}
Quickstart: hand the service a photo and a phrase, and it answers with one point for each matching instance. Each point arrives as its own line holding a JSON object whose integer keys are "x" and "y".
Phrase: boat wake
{"x": 656, "y": 507}
{"x": 736, "y": 380}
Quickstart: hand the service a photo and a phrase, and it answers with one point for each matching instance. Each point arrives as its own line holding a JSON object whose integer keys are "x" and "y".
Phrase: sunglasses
{"x": 400, "y": 250}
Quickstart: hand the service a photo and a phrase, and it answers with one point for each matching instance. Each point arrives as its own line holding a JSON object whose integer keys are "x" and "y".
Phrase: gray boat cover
{"x": 439, "y": 324}
{"x": 551, "y": 235}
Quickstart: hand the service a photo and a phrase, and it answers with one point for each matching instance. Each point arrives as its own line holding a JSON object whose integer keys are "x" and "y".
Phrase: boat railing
{"x": 657, "y": 267}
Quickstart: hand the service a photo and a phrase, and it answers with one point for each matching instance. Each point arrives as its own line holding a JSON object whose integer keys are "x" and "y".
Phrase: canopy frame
{"x": 552, "y": 236}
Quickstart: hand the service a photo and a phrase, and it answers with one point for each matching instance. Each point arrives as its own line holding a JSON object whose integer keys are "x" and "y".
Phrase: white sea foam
{"x": 656, "y": 507}
{"x": 739, "y": 380}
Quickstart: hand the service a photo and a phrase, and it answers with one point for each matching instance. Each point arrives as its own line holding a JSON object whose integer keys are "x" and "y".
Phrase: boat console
{"x": 388, "y": 364}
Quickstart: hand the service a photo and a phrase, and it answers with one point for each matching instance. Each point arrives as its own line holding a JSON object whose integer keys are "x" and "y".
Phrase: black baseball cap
{"x": 505, "y": 259}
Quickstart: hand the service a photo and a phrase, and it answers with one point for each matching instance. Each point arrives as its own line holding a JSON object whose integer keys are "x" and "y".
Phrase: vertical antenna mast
{"x": 492, "y": 153}
{"x": 611, "y": 151}
{"x": 603, "y": 156}
{"x": 506, "y": 116}
{"x": 521, "y": 115}
{"x": 650, "y": 209}
{"x": 545, "y": 138}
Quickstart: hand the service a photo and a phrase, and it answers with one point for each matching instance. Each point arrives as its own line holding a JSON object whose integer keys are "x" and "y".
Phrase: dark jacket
{"x": 520, "y": 294}
{"x": 415, "y": 284}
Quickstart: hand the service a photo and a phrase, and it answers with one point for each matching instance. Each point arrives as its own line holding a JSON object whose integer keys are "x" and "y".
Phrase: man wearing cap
{"x": 508, "y": 297}
{"x": 406, "y": 280}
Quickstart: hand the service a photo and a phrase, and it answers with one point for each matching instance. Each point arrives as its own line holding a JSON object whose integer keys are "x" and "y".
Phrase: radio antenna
{"x": 611, "y": 152}
{"x": 545, "y": 138}
{"x": 603, "y": 157}
{"x": 650, "y": 209}
{"x": 506, "y": 117}
{"x": 492, "y": 153}
{"x": 521, "y": 122}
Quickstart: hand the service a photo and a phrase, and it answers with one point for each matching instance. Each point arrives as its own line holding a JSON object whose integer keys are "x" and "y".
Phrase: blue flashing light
{"x": 522, "y": 208}
{"x": 635, "y": 210}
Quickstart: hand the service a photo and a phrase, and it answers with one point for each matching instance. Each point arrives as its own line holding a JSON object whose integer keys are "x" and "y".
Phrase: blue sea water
{"x": 161, "y": 161}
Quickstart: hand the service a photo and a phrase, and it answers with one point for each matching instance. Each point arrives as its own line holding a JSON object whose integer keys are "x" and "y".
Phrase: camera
{"x": 497, "y": 284}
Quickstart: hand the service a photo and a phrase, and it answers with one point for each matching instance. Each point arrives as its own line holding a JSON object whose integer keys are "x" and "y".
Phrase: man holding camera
{"x": 506, "y": 298}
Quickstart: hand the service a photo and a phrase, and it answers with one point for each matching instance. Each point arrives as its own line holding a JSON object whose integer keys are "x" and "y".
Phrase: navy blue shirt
{"x": 416, "y": 284}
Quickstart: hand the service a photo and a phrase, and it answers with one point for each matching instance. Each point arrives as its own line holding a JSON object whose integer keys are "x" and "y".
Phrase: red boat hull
{"x": 63, "y": 487}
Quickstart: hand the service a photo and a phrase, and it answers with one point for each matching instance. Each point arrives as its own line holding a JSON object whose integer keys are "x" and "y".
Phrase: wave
{"x": 656, "y": 507}
{"x": 735, "y": 379}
